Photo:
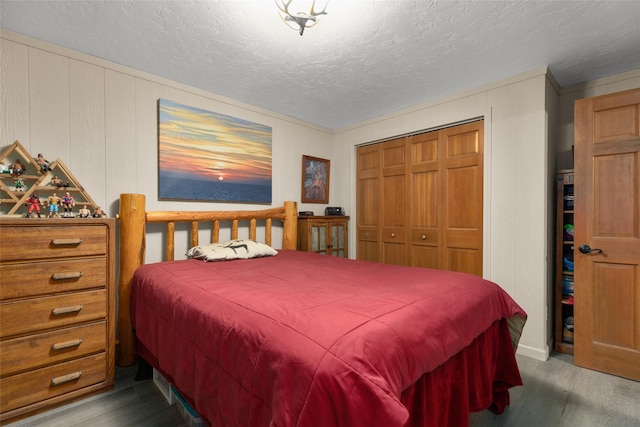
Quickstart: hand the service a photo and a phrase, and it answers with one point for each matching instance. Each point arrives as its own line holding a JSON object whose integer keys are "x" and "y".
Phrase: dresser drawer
{"x": 42, "y": 278}
{"x": 25, "y": 243}
{"x": 48, "y": 348}
{"x": 24, "y": 389}
{"x": 38, "y": 314}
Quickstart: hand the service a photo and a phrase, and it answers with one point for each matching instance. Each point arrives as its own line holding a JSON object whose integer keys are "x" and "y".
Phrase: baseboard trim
{"x": 541, "y": 354}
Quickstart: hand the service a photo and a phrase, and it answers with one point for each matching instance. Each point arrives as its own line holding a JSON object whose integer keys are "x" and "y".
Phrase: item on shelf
{"x": 567, "y": 285}
{"x": 568, "y": 202}
{"x": 34, "y": 203}
{"x": 67, "y": 204}
{"x": 17, "y": 168}
{"x": 43, "y": 163}
{"x": 84, "y": 212}
{"x": 568, "y": 232}
{"x": 59, "y": 182}
{"x": 567, "y": 331}
{"x": 99, "y": 213}
{"x": 568, "y": 264}
{"x": 19, "y": 184}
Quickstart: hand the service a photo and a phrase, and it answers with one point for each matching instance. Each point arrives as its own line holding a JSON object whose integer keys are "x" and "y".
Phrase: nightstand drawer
{"x": 39, "y": 314}
{"x": 51, "y": 347}
{"x": 24, "y": 389}
{"x": 25, "y": 243}
{"x": 20, "y": 280}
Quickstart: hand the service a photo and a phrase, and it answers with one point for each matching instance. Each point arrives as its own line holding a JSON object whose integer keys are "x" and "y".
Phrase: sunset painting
{"x": 206, "y": 156}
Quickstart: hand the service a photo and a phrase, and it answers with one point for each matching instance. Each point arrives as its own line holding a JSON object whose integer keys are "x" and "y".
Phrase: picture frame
{"x": 205, "y": 156}
{"x": 315, "y": 180}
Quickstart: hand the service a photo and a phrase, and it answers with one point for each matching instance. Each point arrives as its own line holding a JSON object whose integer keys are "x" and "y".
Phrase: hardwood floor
{"x": 556, "y": 393}
{"x": 559, "y": 394}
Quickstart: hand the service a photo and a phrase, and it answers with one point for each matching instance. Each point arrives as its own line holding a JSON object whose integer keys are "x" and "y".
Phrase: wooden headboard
{"x": 133, "y": 218}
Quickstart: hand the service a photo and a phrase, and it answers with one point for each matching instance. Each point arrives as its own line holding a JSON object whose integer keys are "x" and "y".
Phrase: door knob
{"x": 586, "y": 249}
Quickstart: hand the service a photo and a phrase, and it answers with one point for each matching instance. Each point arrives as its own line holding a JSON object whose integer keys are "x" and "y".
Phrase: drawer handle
{"x": 66, "y": 276}
{"x": 66, "y": 310}
{"x": 66, "y": 378}
{"x": 423, "y": 237}
{"x": 66, "y": 344}
{"x": 393, "y": 234}
{"x": 66, "y": 242}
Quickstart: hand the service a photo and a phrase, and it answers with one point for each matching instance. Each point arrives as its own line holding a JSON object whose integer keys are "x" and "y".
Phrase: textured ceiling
{"x": 364, "y": 59}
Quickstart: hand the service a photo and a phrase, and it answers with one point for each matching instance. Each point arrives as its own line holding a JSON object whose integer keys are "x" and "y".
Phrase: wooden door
{"x": 368, "y": 195}
{"x": 607, "y": 234}
{"x": 462, "y": 174}
{"x": 426, "y": 204}
{"x": 394, "y": 202}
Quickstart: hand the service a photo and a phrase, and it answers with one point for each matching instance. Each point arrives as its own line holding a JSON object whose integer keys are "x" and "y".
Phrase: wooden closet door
{"x": 368, "y": 201}
{"x": 419, "y": 200}
{"x": 425, "y": 199}
{"x": 607, "y": 233}
{"x": 394, "y": 202}
{"x": 462, "y": 170}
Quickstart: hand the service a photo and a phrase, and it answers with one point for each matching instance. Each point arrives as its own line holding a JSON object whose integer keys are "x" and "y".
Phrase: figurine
{"x": 53, "y": 202}
{"x": 34, "y": 204}
{"x": 17, "y": 168}
{"x": 67, "y": 204}
{"x": 58, "y": 182}
{"x": 84, "y": 212}
{"x": 3, "y": 168}
{"x": 19, "y": 184}
{"x": 43, "y": 163}
{"x": 99, "y": 213}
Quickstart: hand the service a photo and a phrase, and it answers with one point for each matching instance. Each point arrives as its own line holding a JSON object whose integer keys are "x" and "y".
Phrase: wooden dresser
{"x": 57, "y": 312}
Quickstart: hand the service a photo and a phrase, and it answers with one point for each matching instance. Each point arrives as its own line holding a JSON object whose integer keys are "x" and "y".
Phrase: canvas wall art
{"x": 205, "y": 156}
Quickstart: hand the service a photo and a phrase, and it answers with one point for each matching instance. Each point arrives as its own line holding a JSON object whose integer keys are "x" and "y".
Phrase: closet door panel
{"x": 463, "y": 260}
{"x": 425, "y": 256}
{"x": 394, "y": 202}
{"x": 463, "y": 193}
{"x": 425, "y": 200}
{"x": 368, "y": 194}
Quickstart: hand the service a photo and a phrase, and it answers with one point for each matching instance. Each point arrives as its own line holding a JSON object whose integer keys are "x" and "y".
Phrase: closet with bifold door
{"x": 420, "y": 199}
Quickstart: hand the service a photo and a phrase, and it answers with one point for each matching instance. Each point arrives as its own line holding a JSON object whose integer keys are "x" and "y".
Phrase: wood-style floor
{"x": 555, "y": 393}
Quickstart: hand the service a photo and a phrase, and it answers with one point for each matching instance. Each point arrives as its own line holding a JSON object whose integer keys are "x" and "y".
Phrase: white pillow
{"x": 233, "y": 249}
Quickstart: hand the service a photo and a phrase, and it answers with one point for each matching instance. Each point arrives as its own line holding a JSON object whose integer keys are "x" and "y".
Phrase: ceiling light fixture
{"x": 300, "y": 20}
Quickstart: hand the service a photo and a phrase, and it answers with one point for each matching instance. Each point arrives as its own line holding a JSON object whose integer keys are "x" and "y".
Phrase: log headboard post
{"x": 290, "y": 230}
{"x": 133, "y": 218}
{"x": 132, "y": 248}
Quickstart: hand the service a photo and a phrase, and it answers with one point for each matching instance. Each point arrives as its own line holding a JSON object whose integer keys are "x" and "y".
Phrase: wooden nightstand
{"x": 57, "y": 312}
{"x": 327, "y": 235}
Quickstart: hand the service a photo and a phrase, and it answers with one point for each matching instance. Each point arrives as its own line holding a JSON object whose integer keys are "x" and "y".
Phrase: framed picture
{"x": 315, "y": 180}
{"x": 211, "y": 157}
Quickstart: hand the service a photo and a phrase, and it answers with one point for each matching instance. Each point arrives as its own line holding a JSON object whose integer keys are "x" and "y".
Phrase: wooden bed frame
{"x": 133, "y": 218}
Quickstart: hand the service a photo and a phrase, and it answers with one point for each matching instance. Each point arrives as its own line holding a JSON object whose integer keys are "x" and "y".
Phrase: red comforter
{"x": 301, "y": 339}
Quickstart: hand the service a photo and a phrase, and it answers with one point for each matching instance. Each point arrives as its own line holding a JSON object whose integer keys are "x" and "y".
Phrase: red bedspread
{"x": 301, "y": 339}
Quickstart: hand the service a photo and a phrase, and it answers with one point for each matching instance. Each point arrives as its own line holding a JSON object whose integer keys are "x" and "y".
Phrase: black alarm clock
{"x": 333, "y": 211}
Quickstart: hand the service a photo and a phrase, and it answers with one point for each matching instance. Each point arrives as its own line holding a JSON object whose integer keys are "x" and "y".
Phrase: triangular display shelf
{"x": 38, "y": 181}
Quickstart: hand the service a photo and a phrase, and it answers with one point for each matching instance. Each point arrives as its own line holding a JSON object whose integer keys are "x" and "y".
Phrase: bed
{"x": 301, "y": 339}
